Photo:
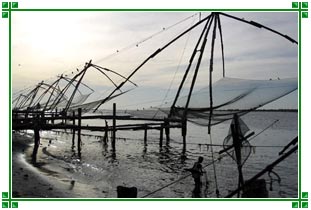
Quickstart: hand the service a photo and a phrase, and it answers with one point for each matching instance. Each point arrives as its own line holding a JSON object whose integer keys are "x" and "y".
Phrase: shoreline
{"x": 29, "y": 181}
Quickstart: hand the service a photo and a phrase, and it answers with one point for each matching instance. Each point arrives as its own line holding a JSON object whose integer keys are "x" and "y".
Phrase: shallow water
{"x": 150, "y": 168}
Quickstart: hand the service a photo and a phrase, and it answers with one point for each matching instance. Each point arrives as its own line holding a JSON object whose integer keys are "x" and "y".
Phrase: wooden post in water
{"x": 105, "y": 139}
{"x": 113, "y": 140}
{"x": 79, "y": 131}
{"x": 42, "y": 118}
{"x": 184, "y": 134}
{"x": 145, "y": 135}
{"x": 52, "y": 120}
{"x": 161, "y": 135}
{"x": 63, "y": 116}
{"x": 37, "y": 139}
{"x": 73, "y": 130}
{"x": 167, "y": 130}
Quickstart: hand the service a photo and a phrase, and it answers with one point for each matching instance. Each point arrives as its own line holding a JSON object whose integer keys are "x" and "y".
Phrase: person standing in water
{"x": 197, "y": 172}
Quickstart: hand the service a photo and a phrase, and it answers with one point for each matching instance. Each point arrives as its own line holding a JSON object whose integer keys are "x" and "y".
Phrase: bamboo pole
{"x": 73, "y": 130}
{"x": 113, "y": 141}
{"x": 36, "y": 138}
{"x": 161, "y": 136}
{"x": 167, "y": 130}
{"x": 79, "y": 132}
{"x": 184, "y": 134}
{"x": 145, "y": 136}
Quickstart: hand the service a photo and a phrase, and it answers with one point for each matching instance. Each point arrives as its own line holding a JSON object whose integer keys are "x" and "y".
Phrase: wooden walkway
{"x": 39, "y": 121}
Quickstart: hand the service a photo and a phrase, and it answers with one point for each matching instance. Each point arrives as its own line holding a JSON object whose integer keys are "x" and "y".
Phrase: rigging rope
{"x": 136, "y": 44}
{"x": 212, "y": 162}
{"x": 177, "y": 69}
{"x": 214, "y": 166}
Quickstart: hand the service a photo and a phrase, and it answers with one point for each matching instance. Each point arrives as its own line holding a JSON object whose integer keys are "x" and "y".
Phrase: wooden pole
{"x": 184, "y": 134}
{"x": 113, "y": 141}
{"x": 52, "y": 120}
{"x": 145, "y": 136}
{"x": 167, "y": 130}
{"x": 262, "y": 172}
{"x": 161, "y": 135}
{"x": 79, "y": 132}
{"x": 37, "y": 139}
{"x": 42, "y": 118}
{"x": 73, "y": 130}
{"x": 106, "y": 133}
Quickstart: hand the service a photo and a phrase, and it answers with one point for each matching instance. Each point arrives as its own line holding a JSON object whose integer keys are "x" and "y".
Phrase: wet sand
{"x": 29, "y": 181}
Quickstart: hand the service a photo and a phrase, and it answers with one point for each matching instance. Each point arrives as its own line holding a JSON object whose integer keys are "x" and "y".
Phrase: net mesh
{"x": 231, "y": 96}
{"x": 245, "y": 147}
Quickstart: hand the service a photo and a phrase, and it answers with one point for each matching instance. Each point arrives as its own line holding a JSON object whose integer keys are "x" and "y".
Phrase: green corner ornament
{"x": 304, "y": 195}
{"x": 5, "y": 5}
{"x": 304, "y": 5}
{"x": 5, "y": 14}
{"x": 5, "y": 194}
{"x": 304, "y": 204}
{"x": 305, "y": 15}
{"x": 15, "y": 5}
{"x": 5, "y": 204}
{"x": 294, "y": 204}
{"x": 14, "y": 204}
{"x": 295, "y": 5}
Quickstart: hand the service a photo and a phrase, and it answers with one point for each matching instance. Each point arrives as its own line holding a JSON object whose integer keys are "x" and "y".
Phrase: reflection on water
{"x": 150, "y": 167}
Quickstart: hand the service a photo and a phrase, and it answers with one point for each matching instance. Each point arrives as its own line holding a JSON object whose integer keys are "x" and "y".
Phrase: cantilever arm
{"x": 258, "y": 25}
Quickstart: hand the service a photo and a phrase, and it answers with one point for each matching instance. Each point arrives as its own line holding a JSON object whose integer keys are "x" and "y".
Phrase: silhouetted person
{"x": 196, "y": 174}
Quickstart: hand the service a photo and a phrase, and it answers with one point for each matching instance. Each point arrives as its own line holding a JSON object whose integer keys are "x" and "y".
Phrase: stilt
{"x": 79, "y": 132}
{"x": 184, "y": 134}
{"x": 52, "y": 120}
{"x": 161, "y": 135}
{"x": 105, "y": 139}
{"x": 73, "y": 130}
{"x": 145, "y": 136}
{"x": 113, "y": 140}
{"x": 167, "y": 130}
{"x": 42, "y": 118}
{"x": 37, "y": 140}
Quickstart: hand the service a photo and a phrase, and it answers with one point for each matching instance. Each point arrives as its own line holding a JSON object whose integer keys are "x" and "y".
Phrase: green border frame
{"x": 9, "y": 7}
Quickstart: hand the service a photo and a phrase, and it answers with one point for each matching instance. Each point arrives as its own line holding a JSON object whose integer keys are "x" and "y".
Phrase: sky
{"x": 47, "y": 44}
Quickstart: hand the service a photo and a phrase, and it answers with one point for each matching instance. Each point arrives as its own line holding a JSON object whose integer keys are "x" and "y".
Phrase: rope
{"x": 214, "y": 167}
{"x": 178, "y": 67}
{"x": 266, "y": 128}
{"x": 164, "y": 29}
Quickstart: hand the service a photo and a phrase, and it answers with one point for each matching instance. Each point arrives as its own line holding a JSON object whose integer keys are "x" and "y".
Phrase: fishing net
{"x": 245, "y": 148}
{"x": 231, "y": 96}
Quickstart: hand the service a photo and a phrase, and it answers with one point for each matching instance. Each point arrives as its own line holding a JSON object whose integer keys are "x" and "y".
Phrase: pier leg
{"x": 37, "y": 141}
{"x": 145, "y": 136}
{"x": 113, "y": 140}
{"x": 52, "y": 121}
{"x": 167, "y": 131}
{"x": 79, "y": 132}
{"x": 73, "y": 131}
{"x": 184, "y": 134}
{"x": 161, "y": 135}
{"x": 106, "y": 134}
{"x": 42, "y": 117}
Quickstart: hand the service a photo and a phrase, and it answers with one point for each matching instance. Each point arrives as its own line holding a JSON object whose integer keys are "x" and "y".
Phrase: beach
{"x": 37, "y": 182}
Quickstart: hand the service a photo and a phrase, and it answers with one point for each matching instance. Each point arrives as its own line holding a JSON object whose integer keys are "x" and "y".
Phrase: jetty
{"x": 45, "y": 121}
